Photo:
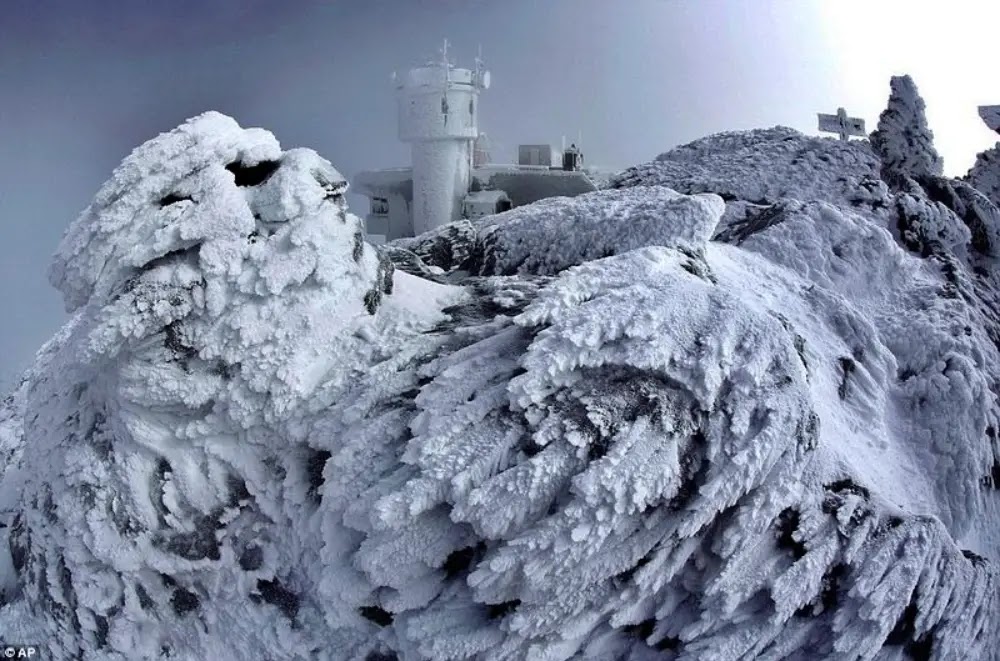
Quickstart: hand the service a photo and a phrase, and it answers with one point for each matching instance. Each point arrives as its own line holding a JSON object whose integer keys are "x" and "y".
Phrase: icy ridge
{"x": 623, "y": 441}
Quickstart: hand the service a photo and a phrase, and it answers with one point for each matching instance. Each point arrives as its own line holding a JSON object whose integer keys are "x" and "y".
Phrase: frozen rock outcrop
{"x": 214, "y": 280}
{"x": 597, "y": 434}
{"x": 902, "y": 140}
{"x": 535, "y": 240}
{"x": 985, "y": 174}
{"x": 763, "y": 166}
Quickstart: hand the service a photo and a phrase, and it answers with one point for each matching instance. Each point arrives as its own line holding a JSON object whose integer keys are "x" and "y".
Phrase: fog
{"x": 83, "y": 82}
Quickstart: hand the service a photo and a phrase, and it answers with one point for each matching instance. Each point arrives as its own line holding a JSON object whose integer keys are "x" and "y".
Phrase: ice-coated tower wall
{"x": 438, "y": 116}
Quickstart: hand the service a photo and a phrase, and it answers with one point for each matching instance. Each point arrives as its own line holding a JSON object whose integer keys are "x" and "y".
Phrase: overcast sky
{"x": 84, "y": 81}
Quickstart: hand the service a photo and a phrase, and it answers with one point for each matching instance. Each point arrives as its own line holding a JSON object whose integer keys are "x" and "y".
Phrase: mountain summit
{"x": 740, "y": 404}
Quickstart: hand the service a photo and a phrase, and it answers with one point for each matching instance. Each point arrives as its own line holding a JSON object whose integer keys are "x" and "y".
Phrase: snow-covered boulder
{"x": 215, "y": 221}
{"x": 217, "y": 282}
{"x": 550, "y": 236}
{"x": 607, "y": 437}
{"x": 536, "y": 239}
{"x": 446, "y": 247}
{"x": 764, "y": 166}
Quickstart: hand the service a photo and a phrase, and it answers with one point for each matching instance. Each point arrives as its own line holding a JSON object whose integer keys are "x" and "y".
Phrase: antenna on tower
{"x": 444, "y": 54}
{"x": 482, "y": 76}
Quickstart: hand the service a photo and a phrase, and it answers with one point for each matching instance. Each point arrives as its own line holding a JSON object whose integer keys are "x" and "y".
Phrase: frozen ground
{"x": 741, "y": 405}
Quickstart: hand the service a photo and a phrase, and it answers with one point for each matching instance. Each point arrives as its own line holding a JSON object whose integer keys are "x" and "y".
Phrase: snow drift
{"x": 580, "y": 429}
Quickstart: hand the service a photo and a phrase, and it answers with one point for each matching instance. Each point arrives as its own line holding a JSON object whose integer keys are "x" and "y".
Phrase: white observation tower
{"x": 438, "y": 116}
{"x": 452, "y": 175}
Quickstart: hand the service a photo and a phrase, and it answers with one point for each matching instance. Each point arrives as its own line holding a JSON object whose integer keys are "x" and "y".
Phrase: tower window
{"x": 380, "y": 206}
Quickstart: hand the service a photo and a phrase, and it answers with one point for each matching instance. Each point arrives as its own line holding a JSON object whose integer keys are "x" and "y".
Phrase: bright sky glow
{"x": 949, "y": 48}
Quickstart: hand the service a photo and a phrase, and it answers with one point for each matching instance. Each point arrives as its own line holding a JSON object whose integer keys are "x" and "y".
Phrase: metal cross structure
{"x": 991, "y": 115}
{"x": 842, "y": 124}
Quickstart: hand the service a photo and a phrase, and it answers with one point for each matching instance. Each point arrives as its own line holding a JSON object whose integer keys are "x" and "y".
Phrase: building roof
{"x": 523, "y": 185}
{"x": 488, "y": 196}
{"x": 377, "y": 182}
{"x": 527, "y": 185}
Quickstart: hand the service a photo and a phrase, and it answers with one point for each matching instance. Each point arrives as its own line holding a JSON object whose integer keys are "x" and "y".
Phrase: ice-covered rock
{"x": 447, "y": 247}
{"x": 598, "y": 435}
{"x": 535, "y": 240}
{"x": 985, "y": 173}
{"x": 763, "y": 166}
{"x": 218, "y": 283}
{"x": 991, "y": 117}
{"x": 902, "y": 140}
{"x": 11, "y": 449}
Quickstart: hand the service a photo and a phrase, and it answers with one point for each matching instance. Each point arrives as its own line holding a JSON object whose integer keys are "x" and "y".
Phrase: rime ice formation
{"x": 902, "y": 140}
{"x": 604, "y": 224}
{"x": 11, "y": 449}
{"x": 764, "y": 166}
{"x": 576, "y": 430}
{"x": 985, "y": 174}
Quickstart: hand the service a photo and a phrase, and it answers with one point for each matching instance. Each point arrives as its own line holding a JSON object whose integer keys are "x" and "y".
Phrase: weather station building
{"x": 451, "y": 174}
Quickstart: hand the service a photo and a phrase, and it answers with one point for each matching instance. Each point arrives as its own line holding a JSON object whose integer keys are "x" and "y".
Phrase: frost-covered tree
{"x": 902, "y": 140}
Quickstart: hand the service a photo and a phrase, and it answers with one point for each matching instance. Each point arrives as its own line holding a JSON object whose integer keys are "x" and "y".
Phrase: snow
{"x": 985, "y": 174}
{"x": 605, "y": 223}
{"x": 374, "y": 183}
{"x": 764, "y": 166}
{"x": 739, "y": 406}
{"x": 903, "y": 141}
{"x": 486, "y": 197}
{"x": 990, "y": 116}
